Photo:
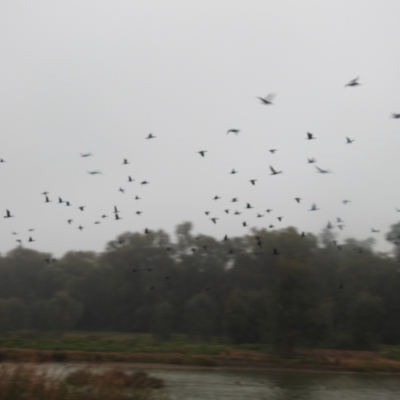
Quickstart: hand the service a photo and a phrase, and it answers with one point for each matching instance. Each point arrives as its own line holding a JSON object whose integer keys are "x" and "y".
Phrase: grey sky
{"x": 99, "y": 76}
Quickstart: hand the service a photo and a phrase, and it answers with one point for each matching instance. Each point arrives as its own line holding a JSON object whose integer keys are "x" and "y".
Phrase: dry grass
{"x": 33, "y": 383}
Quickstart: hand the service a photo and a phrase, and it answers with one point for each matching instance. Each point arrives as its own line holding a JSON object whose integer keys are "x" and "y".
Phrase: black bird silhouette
{"x": 235, "y": 131}
{"x": 67, "y": 203}
{"x": 273, "y": 171}
{"x": 375, "y": 230}
{"x": 80, "y": 227}
{"x": 248, "y": 205}
{"x": 94, "y": 172}
{"x": 313, "y": 207}
{"x": 147, "y": 231}
{"x": 8, "y": 214}
{"x": 137, "y": 198}
{"x": 45, "y": 193}
{"x": 202, "y": 152}
{"x": 117, "y": 217}
{"x": 19, "y": 241}
{"x": 322, "y": 171}
{"x": 1, "y": 160}
{"x": 151, "y": 136}
{"x": 267, "y": 100}
{"x": 275, "y": 252}
{"x": 206, "y": 212}
{"x": 121, "y": 190}
{"x": 82, "y": 208}
{"x": 139, "y": 212}
{"x": 244, "y": 223}
{"x": 60, "y": 200}
{"x": 69, "y": 221}
{"x": 125, "y": 162}
{"x": 259, "y": 216}
{"x": 353, "y": 82}
{"x": 346, "y": 202}
{"x": 227, "y": 211}
{"x": 216, "y": 198}
{"x": 233, "y": 172}
{"x": 272, "y": 151}
{"x": 116, "y": 210}
{"x": 396, "y": 116}
{"x": 253, "y": 181}
{"x": 144, "y": 183}
{"x": 310, "y": 136}
{"x": 234, "y": 200}
{"x": 311, "y": 160}
{"x": 47, "y": 200}
{"x": 30, "y": 239}
{"x": 214, "y": 220}
{"x": 85, "y": 154}
{"x": 348, "y": 140}
{"x": 279, "y": 219}
{"x": 130, "y": 179}
{"x": 268, "y": 211}
{"x": 298, "y": 199}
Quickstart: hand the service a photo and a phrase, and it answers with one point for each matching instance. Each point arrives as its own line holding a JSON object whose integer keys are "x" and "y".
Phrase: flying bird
{"x": 69, "y": 221}
{"x": 353, "y": 82}
{"x": 310, "y": 136}
{"x": 272, "y": 151}
{"x": 144, "y": 183}
{"x": 267, "y": 100}
{"x": 125, "y": 162}
{"x": 313, "y": 207}
{"x": 275, "y": 252}
{"x": 94, "y": 172}
{"x": 233, "y": 172}
{"x": 202, "y": 152}
{"x": 375, "y": 230}
{"x": 214, "y": 220}
{"x": 86, "y": 154}
{"x": 273, "y": 171}
{"x": 130, "y": 179}
{"x": 151, "y": 136}
{"x": 253, "y": 181}
{"x": 235, "y": 131}
{"x": 395, "y": 116}
{"x": 47, "y": 200}
{"x": 8, "y": 214}
{"x": 346, "y": 202}
{"x": 348, "y": 140}
{"x": 298, "y": 199}
{"x": 322, "y": 171}
{"x": 311, "y": 160}
{"x": 82, "y": 208}
{"x": 117, "y": 217}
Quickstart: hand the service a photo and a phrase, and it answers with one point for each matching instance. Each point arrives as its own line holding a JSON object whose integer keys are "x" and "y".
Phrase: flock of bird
{"x": 116, "y": 213}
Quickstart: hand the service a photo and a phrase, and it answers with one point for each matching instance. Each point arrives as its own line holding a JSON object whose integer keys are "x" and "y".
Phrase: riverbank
{"x": 313, "y": 360}
{"x": 143, "y": 349}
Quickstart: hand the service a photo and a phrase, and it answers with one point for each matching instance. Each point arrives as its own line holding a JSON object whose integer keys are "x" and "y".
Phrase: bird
{"x": 82, "y": 208}
{"x": 117, "y": 217}
{"x": 151, "y": 136}
{"x": 121, "y": 190}
{"x": 234, "y": 200}
{"x": 69, "y": 221}
{"x": 233, "y": 172}
{"x": 340, "y": 227}
{"x": 346, "y": 202}
{"x": 147, "y": 231}
{"x": 2, "y": 160}
{"x": 202, "y": 152}
{"x": 47, "y": 200}
{"x": 214, "y": 220}
{"x": 130, "y": 179}
{"x": 80, "y": 227}
{"x": 94, "y": 172}
{"x": 259, "y": 215}
{"x": 348, "y": 140}
{"x": 253, "y": 181}
{"x": 227, "y": 211}
{"x": 137, "y": 198}
{"x": 322, "y": 171}
{"x": 375, "y": 230}
{"x": 279, "y": 219}
{"x": 395, "y": 116}
{"x": 125, "y": 162}
{"x": 207, "y": 212}
{"x": 311, "y": 160}
{"x": 19, "y": 241}
{"x": 139, "y": 212}
{"x": 116, "y": 210}
{"x": 298, "y": 199}
{"x": 85, "y": 154}
{"x": 216, "y": 198}
{"x": 30, "y": 239}
{"x": 244, "y": 223}
{"x": 225, "y": 238}
{"x": 310, "y": 136}
{"x": 104, "y": 216}
{"x": 329, "y": 226}
{"x": 313, "y": 207}
{"x": 273, "y": 171}
{"x": 235, "y": 131}
{"x": 67, "y": 203}
{"x": 273, "y": 151}
{"x": 60, "y": 200}
{"x": 353, "y": 82}
{"x": 144, "y": 183}
{"x": 275, "y": 252}
{"x": 8, "y": 214}
{"x": 248, "y": 205}
{"x": 267, "y": 100}
{"x": 268, "y": 211}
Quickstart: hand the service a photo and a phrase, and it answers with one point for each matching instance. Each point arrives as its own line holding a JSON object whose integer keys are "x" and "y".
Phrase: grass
{"x": 33, "y": 383}
{"x": 182, "y": 350}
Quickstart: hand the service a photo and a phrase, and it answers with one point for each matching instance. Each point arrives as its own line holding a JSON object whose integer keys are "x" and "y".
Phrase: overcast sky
{"x": 99, "y": 76}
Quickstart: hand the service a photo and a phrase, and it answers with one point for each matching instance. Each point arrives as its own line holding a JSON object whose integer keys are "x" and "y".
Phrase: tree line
{"x": 275, "y": 287}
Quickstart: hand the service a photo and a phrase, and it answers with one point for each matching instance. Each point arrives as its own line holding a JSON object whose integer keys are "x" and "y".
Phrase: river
{"x": 217, "y": 384}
